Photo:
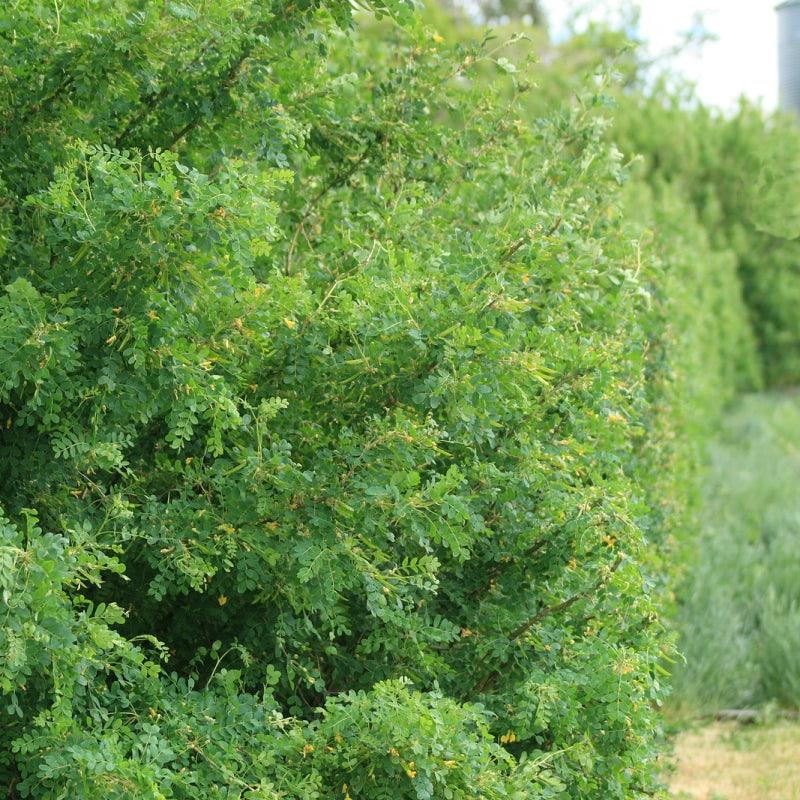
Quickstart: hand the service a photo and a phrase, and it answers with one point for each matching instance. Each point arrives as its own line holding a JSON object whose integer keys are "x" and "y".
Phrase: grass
{"x": 726, "y": 761}
{"x": 739, "y": 618}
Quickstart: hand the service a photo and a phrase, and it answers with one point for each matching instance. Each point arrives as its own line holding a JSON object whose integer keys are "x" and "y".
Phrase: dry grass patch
{"x": 725, "y": 761}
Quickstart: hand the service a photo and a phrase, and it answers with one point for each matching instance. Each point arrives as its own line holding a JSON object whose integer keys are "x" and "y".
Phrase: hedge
{"x": 339, "y": 396}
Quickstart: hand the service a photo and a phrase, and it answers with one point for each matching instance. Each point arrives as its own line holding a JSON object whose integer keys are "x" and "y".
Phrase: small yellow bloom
{"x": 411, "y": 769}
{"x": 289, "y": 323}
{"x": 438, "y": 38}
{"x": 624, "y": 666}
{"x": 508, "y": 738}
{"x": 307, "y": 749}
{"x": 222, "y": 599}
{"x": 393, "y": 752}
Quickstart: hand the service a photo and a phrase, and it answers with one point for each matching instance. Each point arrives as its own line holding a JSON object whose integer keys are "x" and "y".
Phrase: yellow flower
{"x": 289, "y": 323}
{"x": 508, "y": 738}
{"x": 411, "y": 769}
{"x": 307, "y": 749}
{"x": 222, "y": 599}
{"x": 393, "y": 752}
{"x": 438, "y": 38}
{"x": 624, "y": 666}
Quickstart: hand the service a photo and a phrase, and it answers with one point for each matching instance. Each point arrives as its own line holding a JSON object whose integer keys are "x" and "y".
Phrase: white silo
{"x": 789, "y": 55}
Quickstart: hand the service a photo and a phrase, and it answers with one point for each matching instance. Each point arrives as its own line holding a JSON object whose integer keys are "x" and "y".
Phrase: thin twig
{"x": 492, "y": 676}
{"x": 333, "y": 183}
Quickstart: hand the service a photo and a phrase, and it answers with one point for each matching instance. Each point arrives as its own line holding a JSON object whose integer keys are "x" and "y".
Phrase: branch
{"x": 333, "y": 183}
{"x": 154, "y": 98}
{"x": 570, "y": 601}
{"x": 510, "y": 251}
{"x": 492, "y": 676}
{"x": 41, "y": 105}
{"x": 230, "y": 76}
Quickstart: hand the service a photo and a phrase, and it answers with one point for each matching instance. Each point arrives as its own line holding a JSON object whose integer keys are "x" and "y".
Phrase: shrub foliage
{"x": 338, "y": 394}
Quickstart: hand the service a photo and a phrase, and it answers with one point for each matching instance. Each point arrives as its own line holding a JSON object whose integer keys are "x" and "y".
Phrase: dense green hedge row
{"x": 340, "y": 394}
{"x": 740, "y": 174}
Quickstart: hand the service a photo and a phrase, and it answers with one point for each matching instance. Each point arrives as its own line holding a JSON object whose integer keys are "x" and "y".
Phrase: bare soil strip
{"x": 727, "y": 761}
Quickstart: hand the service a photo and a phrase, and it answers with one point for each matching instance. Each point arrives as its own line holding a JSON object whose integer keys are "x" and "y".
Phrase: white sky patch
{"x": 742, "y": 61}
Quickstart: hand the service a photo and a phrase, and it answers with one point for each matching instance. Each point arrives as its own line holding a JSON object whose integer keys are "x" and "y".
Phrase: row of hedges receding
{"x": 739, "y": 172}
{"x": 339, "y": 395}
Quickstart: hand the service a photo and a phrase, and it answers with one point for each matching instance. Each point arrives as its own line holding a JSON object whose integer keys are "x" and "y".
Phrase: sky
{"x": 743, "y": 60}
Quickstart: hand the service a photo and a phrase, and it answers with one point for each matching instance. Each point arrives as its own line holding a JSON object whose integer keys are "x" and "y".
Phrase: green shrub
{"x": 337, "y": 395}
{"x": 701, "y": 352}
{"x": 739, "y": 171}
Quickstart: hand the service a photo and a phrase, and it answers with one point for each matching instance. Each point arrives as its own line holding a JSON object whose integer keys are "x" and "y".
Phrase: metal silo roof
{"x": 789, "y": 55}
